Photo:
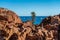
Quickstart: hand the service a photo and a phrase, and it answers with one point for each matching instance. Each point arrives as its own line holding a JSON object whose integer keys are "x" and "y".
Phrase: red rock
{"x": 28, "y": 23}
{"x": 8, "y": 23}
{"x": 15, "y": 29}
{"x": 9, "y": 16}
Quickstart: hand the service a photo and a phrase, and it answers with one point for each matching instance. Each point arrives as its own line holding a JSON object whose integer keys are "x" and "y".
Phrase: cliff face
{"x": 12, "y": 28}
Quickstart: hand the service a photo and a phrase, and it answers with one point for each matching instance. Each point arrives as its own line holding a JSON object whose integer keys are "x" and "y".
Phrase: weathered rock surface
{"x": 12, "y": 28}
{"x": 52, "y": 23}
{"x": 8, "y": 24}
{"x": 9, "y": 16}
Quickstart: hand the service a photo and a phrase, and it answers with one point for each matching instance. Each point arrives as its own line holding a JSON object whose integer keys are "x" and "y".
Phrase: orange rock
{"x": 9, "y": 16}
{"x": 28, "y": 23}
{"x": 8, "y": 23}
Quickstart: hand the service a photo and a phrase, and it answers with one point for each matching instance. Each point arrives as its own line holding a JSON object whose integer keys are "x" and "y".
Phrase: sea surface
{"x": 38, "y": 19}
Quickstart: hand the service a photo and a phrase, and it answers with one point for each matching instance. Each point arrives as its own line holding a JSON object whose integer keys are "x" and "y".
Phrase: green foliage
{"x": 33, "y": 16}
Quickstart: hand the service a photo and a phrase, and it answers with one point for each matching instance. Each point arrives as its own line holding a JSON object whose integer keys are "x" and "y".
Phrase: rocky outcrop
{"x": 8, "y": 24}
{"x": 52, "y": 23}
{"x": 9, "y": 16}
{"x": 12, "y": 28}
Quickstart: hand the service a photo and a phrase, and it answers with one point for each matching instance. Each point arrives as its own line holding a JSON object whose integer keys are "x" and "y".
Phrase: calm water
{"x": 38, "y": 19}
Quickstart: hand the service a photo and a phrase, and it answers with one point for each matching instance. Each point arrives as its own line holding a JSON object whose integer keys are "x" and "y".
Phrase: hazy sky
{"x": 25, "y": 7}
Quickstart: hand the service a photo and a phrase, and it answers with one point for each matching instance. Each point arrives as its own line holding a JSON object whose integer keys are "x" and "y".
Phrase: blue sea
{"x": 38, "y": 19}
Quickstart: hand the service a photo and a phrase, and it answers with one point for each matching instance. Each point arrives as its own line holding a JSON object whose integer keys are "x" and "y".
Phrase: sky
{"x": 25, "y": 7}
